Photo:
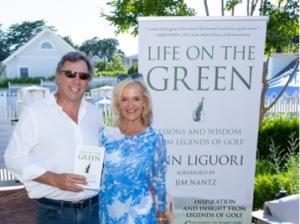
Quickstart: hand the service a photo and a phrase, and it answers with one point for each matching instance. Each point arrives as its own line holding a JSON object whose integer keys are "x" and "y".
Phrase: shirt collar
{"x": 51, "y": 100}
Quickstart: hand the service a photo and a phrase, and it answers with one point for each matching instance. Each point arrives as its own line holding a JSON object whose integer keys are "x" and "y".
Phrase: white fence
{"x": 49, "y": 84}
{"x": 104, "y": 79}
{"x": 284, "y": 106}
{"x": 8, "y": 113}
{"x": 5, "y": 175}
{"x": 7, "y": 104}
{"x": 19, "y": 85}
{"x": 95, "y": 82}
{"x": 7, "y": 179}
{"x": 290, "y": 105}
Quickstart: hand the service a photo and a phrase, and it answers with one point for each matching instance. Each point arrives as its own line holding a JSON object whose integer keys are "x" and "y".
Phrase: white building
{"x": 38, "y": 57}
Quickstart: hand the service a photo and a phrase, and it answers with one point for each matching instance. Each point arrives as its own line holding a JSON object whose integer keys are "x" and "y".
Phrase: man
{"x": 42, "y": 148}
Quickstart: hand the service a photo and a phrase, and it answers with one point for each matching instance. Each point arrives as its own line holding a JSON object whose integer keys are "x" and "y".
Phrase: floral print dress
{"x": 133, "y": 185}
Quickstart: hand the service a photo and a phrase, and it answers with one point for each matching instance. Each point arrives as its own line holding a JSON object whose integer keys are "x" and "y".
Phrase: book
{"x": 89, "y": 163}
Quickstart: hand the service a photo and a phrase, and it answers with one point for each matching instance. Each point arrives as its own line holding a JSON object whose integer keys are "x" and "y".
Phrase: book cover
{"x": 89, "y": 163}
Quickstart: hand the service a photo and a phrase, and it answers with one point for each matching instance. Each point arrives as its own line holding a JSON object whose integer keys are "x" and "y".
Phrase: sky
{"x": 80, "y": 19}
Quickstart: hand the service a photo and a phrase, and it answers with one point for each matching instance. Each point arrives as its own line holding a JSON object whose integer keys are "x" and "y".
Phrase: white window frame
{"x": 47, "y": 49}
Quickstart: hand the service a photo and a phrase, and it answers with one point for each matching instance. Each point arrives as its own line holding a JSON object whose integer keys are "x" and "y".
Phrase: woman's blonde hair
{"x": 147, "y": 109}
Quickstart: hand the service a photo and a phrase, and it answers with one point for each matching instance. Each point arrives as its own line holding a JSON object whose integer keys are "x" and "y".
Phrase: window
{"x": 46, "y": 46}
{"x": 24, "y": 72}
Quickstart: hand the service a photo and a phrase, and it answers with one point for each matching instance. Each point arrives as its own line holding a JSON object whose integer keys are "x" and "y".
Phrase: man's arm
{"x": 64, "y": 181}
{"x": 18, "y": 160}
{"x": 23, "y": 140}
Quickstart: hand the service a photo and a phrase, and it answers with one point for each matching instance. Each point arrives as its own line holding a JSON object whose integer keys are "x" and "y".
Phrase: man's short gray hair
{"x": 74, "y": 56}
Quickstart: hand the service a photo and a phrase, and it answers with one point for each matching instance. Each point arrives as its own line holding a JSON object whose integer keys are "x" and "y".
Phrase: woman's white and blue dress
{"x": 133, "y": 177}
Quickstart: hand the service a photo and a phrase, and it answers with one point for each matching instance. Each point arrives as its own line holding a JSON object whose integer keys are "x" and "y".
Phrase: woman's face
{"x": 131, "y": 102}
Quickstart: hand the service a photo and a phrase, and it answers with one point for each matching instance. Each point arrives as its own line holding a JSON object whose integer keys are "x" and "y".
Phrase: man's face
{"x": 72, "y": 89}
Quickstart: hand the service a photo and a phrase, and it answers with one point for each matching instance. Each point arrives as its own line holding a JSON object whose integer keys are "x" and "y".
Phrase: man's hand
{"x": 64, "y": 181}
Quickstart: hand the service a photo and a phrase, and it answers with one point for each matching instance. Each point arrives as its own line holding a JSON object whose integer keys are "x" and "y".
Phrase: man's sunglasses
{"x": 129, "y": 76}
{"x": 72, "y": 74}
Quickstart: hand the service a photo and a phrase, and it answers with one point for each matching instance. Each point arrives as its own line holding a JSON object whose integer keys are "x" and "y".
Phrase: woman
{"x": 133, "y": 185}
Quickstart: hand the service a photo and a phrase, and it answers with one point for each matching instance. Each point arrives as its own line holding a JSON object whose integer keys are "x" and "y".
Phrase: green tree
{"x": 116, "y": 64}
{"x": 283, "y": 26}
{"x": 230, "y": 5}
{"x": 19, "y": 34}
{"x": 206, "y": 7}
{"x": 4, "y": 47}
{"x": 282, "y": 31}
{"x": 125, "y": 12}
{"x": 133, "y": 69}
{"x": 105, "y": 49}
{"x": 109, "y": 48}
{"x": 91, "y": 46}
{"x": 69, "y": 41}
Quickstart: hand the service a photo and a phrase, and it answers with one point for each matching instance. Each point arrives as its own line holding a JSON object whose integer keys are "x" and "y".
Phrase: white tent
{"x": 277, "y": 82}
{"x": 32, "y": 93}
{"x": 103, "y": 102}
{"x": 29, "y": 94}
{"x": 101, "y": 91}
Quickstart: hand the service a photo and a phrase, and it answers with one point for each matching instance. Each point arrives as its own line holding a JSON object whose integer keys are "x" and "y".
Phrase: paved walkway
{"x": 16, "y": 207}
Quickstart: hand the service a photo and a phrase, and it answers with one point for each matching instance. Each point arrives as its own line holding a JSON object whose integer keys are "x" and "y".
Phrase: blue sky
{"x": 80, "y": 19}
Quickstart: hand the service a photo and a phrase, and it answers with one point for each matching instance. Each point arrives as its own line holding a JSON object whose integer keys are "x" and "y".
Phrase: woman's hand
{"x": 162, "y": 218}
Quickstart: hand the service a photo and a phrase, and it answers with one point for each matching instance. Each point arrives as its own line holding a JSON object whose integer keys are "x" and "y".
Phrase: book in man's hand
{"x": 89, "y": 163}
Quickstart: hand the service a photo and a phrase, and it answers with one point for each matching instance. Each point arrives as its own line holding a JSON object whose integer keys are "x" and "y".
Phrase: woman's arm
{"x": 158, "y": 179}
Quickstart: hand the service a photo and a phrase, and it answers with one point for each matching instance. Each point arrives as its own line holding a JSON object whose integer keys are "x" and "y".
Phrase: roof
{"x": 278, "y": 82}
{"x": 33, "y": 87}
{"x": 290, "y": 71}
{"x": 32, "y": 40}
{"x": 106, "y": 87}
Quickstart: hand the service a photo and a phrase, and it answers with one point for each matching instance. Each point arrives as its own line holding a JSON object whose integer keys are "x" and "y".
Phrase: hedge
{"x": 268, "y": 181}
{"x": 277, "y": 130}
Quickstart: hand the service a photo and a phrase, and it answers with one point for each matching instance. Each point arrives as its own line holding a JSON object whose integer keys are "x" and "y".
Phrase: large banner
{"x": 205, "y": 80}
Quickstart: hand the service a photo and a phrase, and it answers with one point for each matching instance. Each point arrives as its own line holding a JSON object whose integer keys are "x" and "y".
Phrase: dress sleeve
{"x": 158, "y": 179}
